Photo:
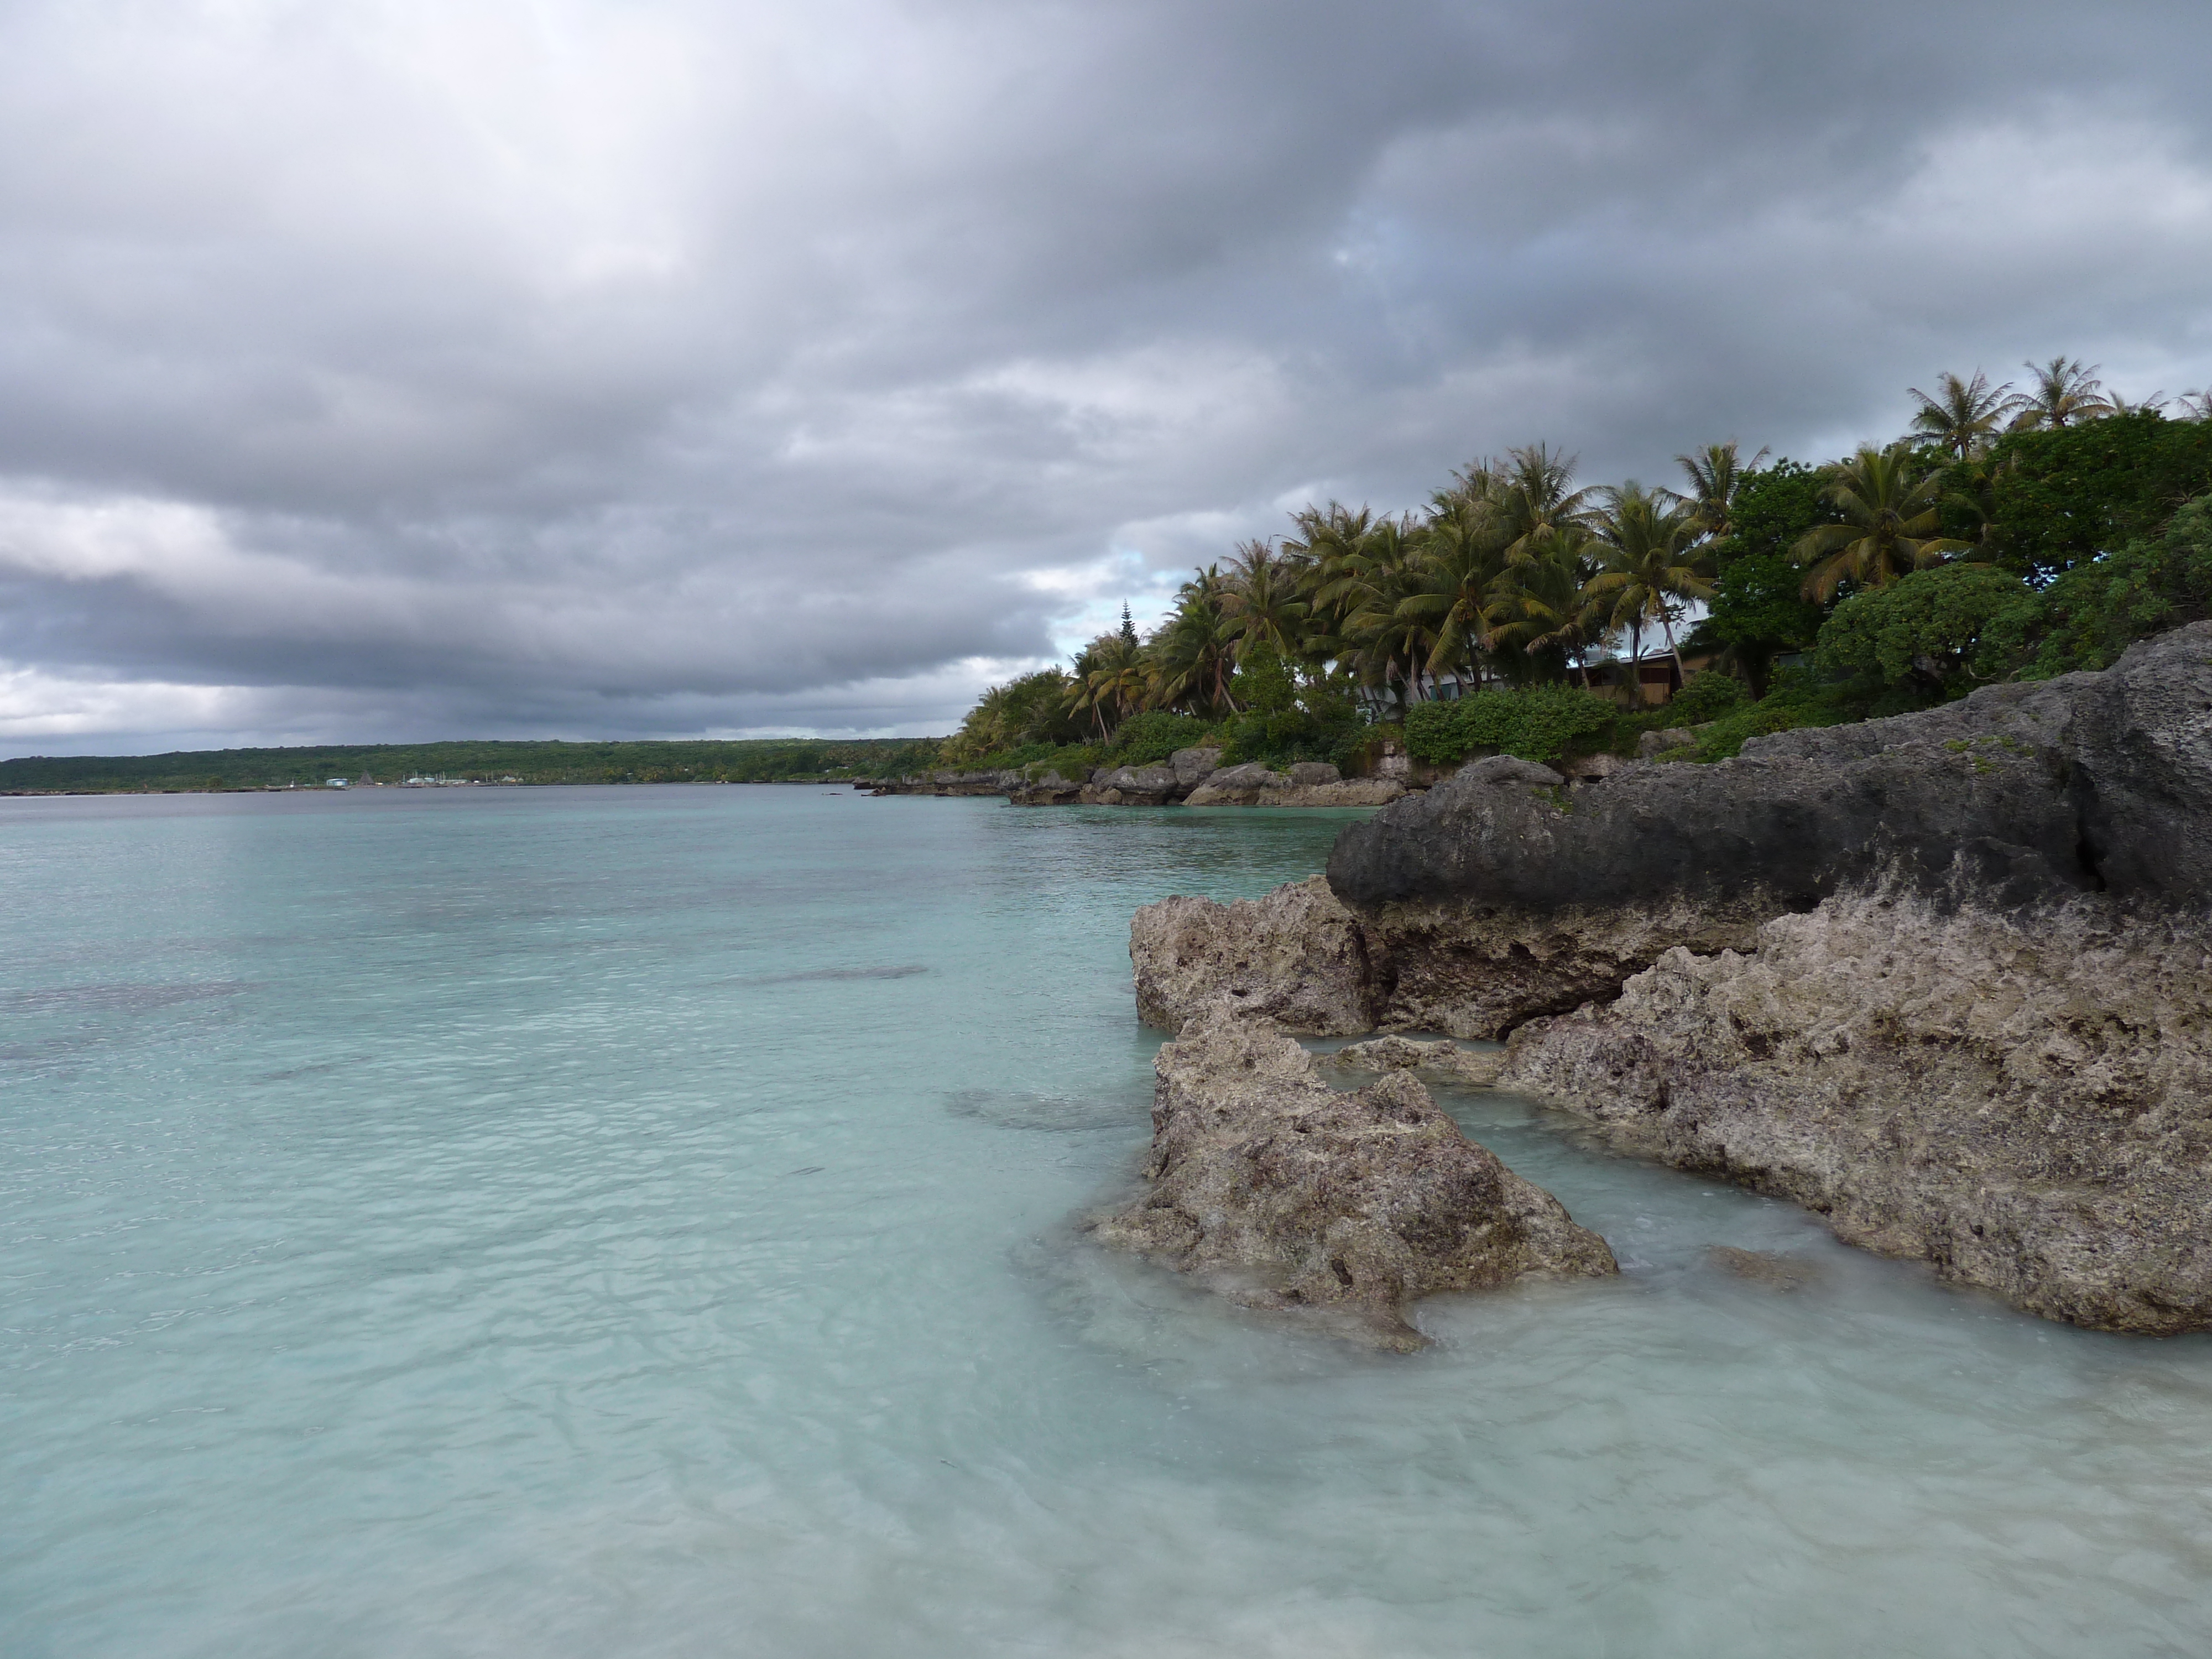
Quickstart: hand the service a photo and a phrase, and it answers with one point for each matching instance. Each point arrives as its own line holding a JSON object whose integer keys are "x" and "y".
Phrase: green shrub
{"x": 2094, "y": 612}
{"x": 1957, "y": 619}
{"x": 1705, "y": 697}
{"x": 1144, "y": 739}
{"x": 2066, "y": 497}
{"x": 1076, "y": 762}
{"x": 1286, "y": 722}
{"x": 1538, "y": 723}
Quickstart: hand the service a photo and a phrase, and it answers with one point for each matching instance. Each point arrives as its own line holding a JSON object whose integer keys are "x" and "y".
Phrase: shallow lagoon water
{"x": 638, "y": 1222}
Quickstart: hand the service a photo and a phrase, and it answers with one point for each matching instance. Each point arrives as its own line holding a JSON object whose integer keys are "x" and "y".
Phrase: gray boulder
{"x": 1192, "y": 766}
{"x": 1237, "y": 785}
{"x": 1306, "y": 773}
{"x": 1346, "y": 792}
{"x": 1945, "y": 979}
{"x": 1050, "y": 789}
{"x": 1595, "y": 769}
{"x": 1507, "y": 768}
{"x": 1288, "y": 1194}
{"x": 1130, "y": 786}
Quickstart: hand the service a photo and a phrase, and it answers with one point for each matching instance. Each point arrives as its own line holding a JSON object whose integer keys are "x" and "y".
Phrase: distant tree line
{"x": 2009, "y": 532}
{"x": 767, "y": 760}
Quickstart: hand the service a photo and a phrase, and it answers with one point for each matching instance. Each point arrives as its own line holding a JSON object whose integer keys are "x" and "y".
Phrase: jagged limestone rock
{"x": 2023, "y": 1100}
{"x": 1286, "y": 1193}
{"x": 1946, "y": 978}
{"x": 1236, "y": 786}
{"x": 1295, "y": 955}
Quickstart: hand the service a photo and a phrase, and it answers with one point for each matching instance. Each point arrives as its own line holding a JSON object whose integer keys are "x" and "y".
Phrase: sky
{"x": 393, "y": 370}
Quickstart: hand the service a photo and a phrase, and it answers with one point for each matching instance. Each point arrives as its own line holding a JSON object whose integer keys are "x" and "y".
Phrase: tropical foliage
{"x": 1906, "y": 569}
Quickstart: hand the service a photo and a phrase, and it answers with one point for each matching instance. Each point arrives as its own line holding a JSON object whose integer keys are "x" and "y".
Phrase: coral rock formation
{"x": 1287, "y": 1193}
{"x": 1295, "y": 955}
{"x": 1946, "y": 979}
{"x": 2024, "y": 1101}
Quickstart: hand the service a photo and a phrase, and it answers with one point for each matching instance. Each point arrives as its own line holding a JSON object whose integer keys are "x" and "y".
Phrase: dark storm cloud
{"x": 396, "y": 370}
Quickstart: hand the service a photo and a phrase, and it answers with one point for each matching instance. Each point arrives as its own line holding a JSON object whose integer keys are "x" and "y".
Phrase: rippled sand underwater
{"x": 641, "y": 1222}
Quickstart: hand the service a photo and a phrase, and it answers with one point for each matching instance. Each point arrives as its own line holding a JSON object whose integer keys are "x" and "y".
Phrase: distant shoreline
{"x": 475, "y": 763}
{"x": 520, "y": 783}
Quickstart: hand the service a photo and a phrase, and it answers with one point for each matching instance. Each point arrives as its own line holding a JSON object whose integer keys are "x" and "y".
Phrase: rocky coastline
{"x": 1189, "y": 777}
{"x": 1945, "y": 979}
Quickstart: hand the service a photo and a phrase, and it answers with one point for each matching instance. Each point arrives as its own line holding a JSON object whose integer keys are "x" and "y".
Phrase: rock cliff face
{"x": 1498, "y": 894}
{"x": 1946, "y": 979}
{"x": 1286, "y": 1193}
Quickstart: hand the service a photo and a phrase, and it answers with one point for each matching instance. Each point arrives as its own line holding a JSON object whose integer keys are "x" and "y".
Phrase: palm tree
{"x": 1328, "y": 544}
{"x": 1460, "y": 580}
{"x": 1715, "y": 474}
{"x": 1194, "y": 652}
{"x": 1380, "y": 642}
{"x": 1891, "y": 521}
{"x": 1543, "y": 620}
{"x": 1649, "y": 567}
{"x": 2194, "y": 406}
{"x": 1964, "y": 416}
{"x": 1973, "y": 487}
{"x": 1263, "y": 601}
{"x": 1531, "y": 498}
{"x": 2153, "y": 405}
{"x": 2065, "y": 393}
{"x": 1110, "y": 675}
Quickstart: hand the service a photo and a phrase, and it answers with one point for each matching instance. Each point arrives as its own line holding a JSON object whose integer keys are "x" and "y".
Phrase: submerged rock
{"x": 1476, "y": 1067}
{"x": 1289, "y": 1194}
{"x": 1295, "y": 955}
{"x": 1777, "y": 1273}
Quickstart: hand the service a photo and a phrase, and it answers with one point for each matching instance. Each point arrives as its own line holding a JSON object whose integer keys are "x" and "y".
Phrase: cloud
{"x": 395, "y": 370}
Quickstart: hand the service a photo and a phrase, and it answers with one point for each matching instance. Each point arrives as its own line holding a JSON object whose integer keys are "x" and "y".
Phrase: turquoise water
{"x": 637, "y": 1222}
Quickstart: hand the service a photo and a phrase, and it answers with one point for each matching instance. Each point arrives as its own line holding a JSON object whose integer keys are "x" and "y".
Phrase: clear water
{"x": 637, "y": 1222}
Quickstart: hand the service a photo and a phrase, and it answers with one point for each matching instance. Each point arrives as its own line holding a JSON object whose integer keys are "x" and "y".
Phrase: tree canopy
{"x": 1933, "y": 552}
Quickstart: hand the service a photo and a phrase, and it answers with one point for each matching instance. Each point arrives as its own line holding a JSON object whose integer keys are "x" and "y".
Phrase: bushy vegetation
{"x": 2094, "y": 611}
{"x": 1707, "y": 696}
{"x": 1537, "y": 723}
{"x": 1150, "y": 738}
{"x": 1935, "y": 626}
{"x": 2008, "y": 532}
{"x": 1286, "y": 720}
{"x": 761, "y": 760}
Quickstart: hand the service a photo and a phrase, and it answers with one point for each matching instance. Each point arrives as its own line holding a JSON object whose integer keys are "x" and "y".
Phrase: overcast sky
{"x": 439, "y": 368}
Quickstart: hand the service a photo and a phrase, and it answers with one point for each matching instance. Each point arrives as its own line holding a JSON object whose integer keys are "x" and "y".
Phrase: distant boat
{"x": 336, "y": 783}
